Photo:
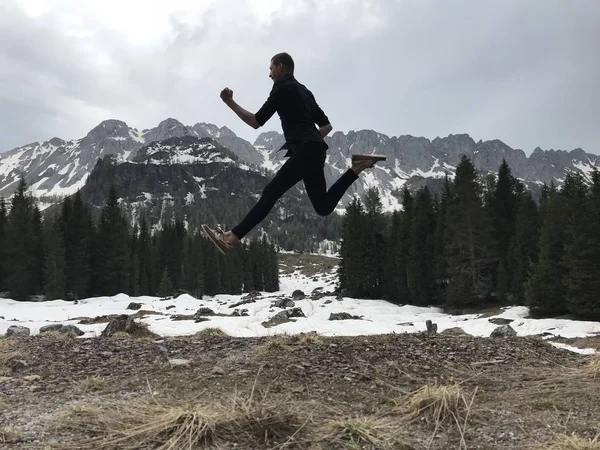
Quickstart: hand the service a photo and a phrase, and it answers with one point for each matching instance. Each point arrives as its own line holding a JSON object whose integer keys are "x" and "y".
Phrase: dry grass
{"x": 310, "y": 339}
{"x": 592, "y": 369}
{"x": 8, "y": 353}
{"x": 574, "y": 443}
{"x": 361, "y": 432}
{"x": 273, "y": 346}
{"x": 58, "y": 335}
{"x": 149, "y": 424}
{"x": 438, "y": 405}
{"x": 9, "y": 435}
{"x": 91, "y": 384}
{"x": 210, "y": 332}
{"x": 121, "y": 335}
{"x": 4, "y": 405}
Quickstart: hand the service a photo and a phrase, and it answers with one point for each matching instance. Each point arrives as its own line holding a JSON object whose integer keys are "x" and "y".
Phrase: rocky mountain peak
{"x": 107, "y": 128}
{"x": 167, "y": 129}
{"x": 56, "y": 142}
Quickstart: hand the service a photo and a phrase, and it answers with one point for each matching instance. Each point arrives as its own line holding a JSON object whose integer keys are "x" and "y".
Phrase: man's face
{"x": 275, "y": 71}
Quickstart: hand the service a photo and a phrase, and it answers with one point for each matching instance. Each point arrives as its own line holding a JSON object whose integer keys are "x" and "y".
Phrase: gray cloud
{"x": 522, "y": 72}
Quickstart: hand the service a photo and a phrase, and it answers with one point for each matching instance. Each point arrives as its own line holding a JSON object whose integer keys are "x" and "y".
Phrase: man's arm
{"x": 246, "y": 116}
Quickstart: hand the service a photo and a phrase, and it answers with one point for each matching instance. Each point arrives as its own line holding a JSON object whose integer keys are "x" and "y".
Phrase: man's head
{"x": 281, "y": 64}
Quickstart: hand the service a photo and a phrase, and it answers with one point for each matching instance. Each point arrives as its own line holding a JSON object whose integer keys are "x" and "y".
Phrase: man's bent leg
{"x": 325, "y": 201}
{"x": 286, "y": 177}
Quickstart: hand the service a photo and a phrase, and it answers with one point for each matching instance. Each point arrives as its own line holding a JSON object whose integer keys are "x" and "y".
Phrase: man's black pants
{"x": 306, "y": 163}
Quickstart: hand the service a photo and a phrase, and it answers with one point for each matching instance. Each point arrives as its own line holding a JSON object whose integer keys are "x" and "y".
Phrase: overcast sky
{"x": 525, "y": 72}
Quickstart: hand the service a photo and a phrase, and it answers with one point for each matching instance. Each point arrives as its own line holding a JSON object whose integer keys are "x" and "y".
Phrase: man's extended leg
{"x": 286, "y": 177}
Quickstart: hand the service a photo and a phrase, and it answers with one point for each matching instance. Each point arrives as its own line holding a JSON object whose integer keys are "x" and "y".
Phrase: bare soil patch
{"x": 409, "y": 391}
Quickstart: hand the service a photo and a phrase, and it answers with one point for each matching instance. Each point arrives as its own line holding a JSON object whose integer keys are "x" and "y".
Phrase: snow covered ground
{"x": 379, "y": 316}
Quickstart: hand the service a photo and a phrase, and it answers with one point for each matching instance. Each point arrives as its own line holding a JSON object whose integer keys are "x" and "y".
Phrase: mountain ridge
{"x": 59, "y": 167}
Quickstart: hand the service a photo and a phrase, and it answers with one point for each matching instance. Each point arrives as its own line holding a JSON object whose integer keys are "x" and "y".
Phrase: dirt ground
{"x": 302, "y": 392}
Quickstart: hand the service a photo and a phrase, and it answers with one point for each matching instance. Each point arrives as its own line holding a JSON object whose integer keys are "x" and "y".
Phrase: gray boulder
{"x": 504, "y": 331}
{"x": 283, "y": 303}
{"x": 289, "y": 313}
{"x": 298, "y": 294}
{"x": 18, "y": 331}
{"x": 431, "y": 327}
{"x": 62, "y": 329}
{"x": 500, "y": 321}
{"x": 343, "y": 316}
{"x": 134, "y": 306}
{"x": 204, "y": 311}
{"x": 52, "y": 327}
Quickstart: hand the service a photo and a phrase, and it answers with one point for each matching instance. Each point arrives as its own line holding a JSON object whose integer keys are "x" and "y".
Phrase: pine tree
{"x": 144, "y": 254}
{"x": 165, "y": 289}
{"x": 523, "y": 252}
{"x": 582, "y": 255}
{"x": 503, "y": 205}
{"x": 78, "y": 230}
{"x": 21, "y": 245}
{"x": 470, "y": 257}
{"x": 212, "y": 271}
{"x": 38, "y": 251}
{"x": 391, "y": 284}
{"x": 441, "y": 261}
{"x": 352, "y": 251}
{"x": 195, "y": 270}
{"x": 54, "y": 264}
{"x": 545, "y": 289}
{"x": 374, "y": 238}
{"x": 113, "y": 263}
{"x": 404, "y": 282}
{"x": 134, "y": 278}
{"x": 421, "y": 257}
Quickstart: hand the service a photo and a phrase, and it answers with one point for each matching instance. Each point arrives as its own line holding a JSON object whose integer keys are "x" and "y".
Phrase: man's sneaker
{"x": 216, "y": 237}
{"x": 371, "y": 158}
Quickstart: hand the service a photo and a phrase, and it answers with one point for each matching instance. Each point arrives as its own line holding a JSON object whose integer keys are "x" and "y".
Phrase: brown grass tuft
{"x": 443, "y": 404}
{"x": 9, "y": 435}
{"x": 592, "y": 369}
{"x": 149, "y": 424}
{"x": 359, "y": 433}
{"x": 574, "y": 443}
{"x": 8, "y": 353}
{"x": 310, "y": 339}
{"x": 438, "y": 405}
{"x": 213, "y": 331}
{"x": 140, "y": 424}
{"x": 4, "y": 404}
{"x": 88, "y": 384}
{"x": 273, "y": 346}
{"x": 57, "y": 335}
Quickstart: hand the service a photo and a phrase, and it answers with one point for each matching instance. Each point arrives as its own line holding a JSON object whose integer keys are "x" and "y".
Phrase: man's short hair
{"x": 285, "y": 59}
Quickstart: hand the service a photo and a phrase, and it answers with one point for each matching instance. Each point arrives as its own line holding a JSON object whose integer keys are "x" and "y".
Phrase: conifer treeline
{"x": 482, "y": 241}
{"x": 70, "y": 256}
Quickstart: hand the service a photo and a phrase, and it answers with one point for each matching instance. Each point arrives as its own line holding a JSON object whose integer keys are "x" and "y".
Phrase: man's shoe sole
{"x": 373, "y": 158}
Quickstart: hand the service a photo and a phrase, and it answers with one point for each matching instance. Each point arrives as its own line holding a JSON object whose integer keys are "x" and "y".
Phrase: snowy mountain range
{"x": 56, "y": 168}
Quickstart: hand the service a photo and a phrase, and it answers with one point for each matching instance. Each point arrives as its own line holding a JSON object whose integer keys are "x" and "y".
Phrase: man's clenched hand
{"x": 227, "y": 95}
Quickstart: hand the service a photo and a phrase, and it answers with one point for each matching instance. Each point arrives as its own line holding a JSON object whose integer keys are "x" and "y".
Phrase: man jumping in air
{"x": 306, "y": 149}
